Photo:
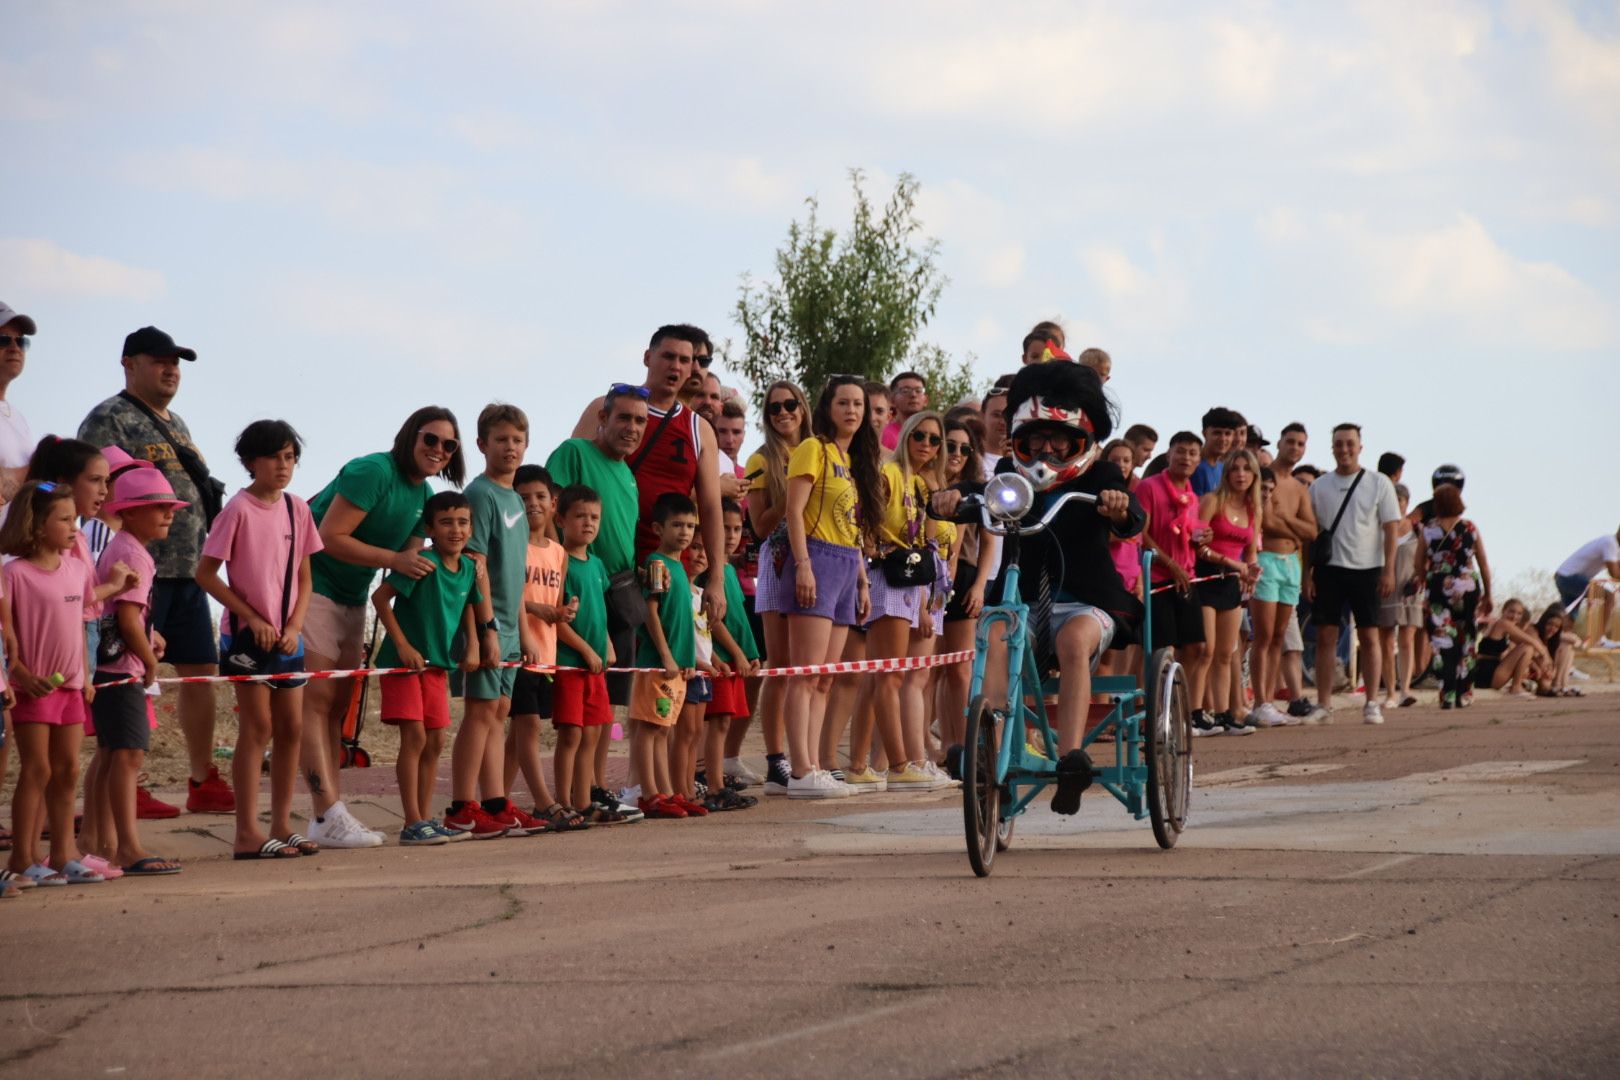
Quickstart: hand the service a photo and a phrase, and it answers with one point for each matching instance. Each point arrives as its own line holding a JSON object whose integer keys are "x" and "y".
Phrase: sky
{"x": 1403, "y": 215}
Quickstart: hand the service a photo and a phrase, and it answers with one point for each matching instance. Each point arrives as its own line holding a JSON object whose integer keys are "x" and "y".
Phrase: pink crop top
{"x": 1230, "y": 541}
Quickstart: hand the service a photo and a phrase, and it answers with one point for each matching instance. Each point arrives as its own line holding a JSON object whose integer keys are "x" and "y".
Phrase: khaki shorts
{"x": 335, "y": 631}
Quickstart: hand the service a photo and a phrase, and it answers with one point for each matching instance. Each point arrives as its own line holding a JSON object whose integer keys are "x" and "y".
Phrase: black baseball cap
{"x": 150, "y": 341}
{"x": 1256, "y": 439}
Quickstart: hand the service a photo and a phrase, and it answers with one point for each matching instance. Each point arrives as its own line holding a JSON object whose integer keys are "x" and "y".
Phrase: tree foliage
{"x": 850, "y": 304}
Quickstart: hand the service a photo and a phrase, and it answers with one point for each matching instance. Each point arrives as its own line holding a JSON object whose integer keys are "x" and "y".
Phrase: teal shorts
{"x": 487, "y": 684}
{"x": 1279, "y": 579}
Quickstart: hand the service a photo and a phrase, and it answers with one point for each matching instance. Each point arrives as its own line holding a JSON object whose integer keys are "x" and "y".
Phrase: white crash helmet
{"x": 1047, "y": 471}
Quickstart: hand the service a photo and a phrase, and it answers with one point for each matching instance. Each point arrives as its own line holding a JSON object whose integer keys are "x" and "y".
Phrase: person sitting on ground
{"x": 1059, "y": 420}
{"x": 1510, "y": 653}
{"x": 1560, "y": 642}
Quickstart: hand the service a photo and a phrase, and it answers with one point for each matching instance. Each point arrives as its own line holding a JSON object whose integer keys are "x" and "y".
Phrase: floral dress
{"x": 1453, "y": 596}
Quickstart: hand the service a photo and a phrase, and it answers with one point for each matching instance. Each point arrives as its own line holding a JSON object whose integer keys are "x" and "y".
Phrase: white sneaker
{"x": 817, "y": 784}
{"x": 1318, "y": 715}
{"x": 1577, "y": 675}
{"x": 1371, "y": 713}
{"x": 1606, "y": 642}
{"x": 340, "y": 829}
{"x": 738, "y": 769}
{"x": 1282, "y": 716}
{"x": 942, "y": 779}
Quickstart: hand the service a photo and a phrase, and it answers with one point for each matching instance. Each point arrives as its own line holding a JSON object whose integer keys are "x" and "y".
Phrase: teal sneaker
{"x": 422, "y": 834}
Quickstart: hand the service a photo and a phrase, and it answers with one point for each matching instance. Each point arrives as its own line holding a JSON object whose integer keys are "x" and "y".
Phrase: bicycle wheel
{"x": 981, "y": 794}
{"x": 1168, "y": 731}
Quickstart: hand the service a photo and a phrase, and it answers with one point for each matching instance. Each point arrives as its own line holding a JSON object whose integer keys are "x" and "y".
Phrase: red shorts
{"x": 59, "y": 708}
{"x": 730, "y": 697}
{"x": 580, "y": 699}
{"x": 422, "y": 697}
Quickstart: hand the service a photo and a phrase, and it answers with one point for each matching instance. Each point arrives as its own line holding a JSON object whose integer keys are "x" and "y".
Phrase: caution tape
{"x": 842, "y": 667}
{"x": 1195, "y": 581}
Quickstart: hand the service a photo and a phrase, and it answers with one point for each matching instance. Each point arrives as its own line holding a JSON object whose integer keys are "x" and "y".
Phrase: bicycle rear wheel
{"x": 1168, "y": 730}
{"x": 981, "y": 792}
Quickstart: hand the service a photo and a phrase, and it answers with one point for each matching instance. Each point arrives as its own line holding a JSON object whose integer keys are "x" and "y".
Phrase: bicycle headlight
{"x": 1009, "y": 496}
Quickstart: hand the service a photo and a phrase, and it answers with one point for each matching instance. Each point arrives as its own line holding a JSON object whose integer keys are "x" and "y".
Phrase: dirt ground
{"x": 1437, "y": 896}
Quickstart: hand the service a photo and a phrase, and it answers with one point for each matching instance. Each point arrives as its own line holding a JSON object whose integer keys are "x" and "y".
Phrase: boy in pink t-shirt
{"x": 263, "y": 538}
{"x": 1172, "y": 532}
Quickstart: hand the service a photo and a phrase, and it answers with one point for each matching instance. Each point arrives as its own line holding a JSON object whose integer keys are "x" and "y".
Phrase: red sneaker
{"x": 660, "y": 806}
{"x": 149, "y": 807}
{"x": 519, "y": 823}
{"x": 693, "y": 809}
{"x": 472, "y": 820}
{"x": 212, "y": 796}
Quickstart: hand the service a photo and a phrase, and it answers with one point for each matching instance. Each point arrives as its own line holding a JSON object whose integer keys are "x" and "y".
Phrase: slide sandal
{"x": 16, "y": 880}
{"x": 79, "y": 874}
{"x": 301, "y": 844}
{"x": 270, "y": 849}
{"x": 152, "y": 866}
{"x": 101, "y": 866}
{"x": 40, "y": 874}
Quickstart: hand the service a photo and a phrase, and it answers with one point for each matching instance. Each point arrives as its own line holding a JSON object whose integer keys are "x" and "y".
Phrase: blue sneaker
{"x": 451, "y": 836}
{"x": 422, "y": 834}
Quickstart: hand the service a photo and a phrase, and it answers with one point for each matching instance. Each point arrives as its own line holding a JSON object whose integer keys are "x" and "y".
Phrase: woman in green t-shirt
{"x": 370, "y": 519}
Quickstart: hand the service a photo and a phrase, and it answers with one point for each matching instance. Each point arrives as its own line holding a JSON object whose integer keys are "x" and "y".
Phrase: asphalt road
{"x": 1439, "y": 897}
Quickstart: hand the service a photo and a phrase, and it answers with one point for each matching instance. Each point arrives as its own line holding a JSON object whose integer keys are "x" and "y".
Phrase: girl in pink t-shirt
{"x": 264, "y": 538}
{"x": 1128, "y": 562}
{"x": 50, "y": 675}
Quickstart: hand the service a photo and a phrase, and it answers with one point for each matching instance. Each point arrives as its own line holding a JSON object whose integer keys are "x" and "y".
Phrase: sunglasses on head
{"x": 431, "y": 440}
{"x": 920, "y": 437}
{"x": 954, "y": 447}
{"x": 787, "y": 405}
{"x": 21, "y": 341}
{"x": 619, "y": 389}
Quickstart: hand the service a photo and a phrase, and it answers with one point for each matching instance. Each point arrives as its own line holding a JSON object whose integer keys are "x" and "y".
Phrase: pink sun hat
{"x": 143, "y": 487}
{"x": 119, "y": 462}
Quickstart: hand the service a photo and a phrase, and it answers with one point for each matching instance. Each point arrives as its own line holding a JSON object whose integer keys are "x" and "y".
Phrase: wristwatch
{"x": 493, "y": 626}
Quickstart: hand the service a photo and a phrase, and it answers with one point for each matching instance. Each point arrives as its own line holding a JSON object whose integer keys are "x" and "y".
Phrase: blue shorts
{"x": 488, "y": 684}
{"x": 699, "y": 690}
{"x": 1063, "y": 612}
{"x": 180, "y": 613}
{"x": 1571, "y": 590}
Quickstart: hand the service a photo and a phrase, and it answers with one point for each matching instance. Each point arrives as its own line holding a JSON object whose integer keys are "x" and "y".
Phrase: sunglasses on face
{"x": 431, "y": 440}
{"x": 704, "y": 361}
{"x": 788, "y": 405}
{"x": 959, "y": 448}
{"x": 1049, "y": 442}
{"x": 22, "y": 342}
{"x": 619, "y": 389}
{"x": 921, "y": 437}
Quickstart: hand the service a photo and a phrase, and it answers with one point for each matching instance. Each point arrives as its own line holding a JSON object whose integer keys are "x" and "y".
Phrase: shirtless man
{"x": 1287, "y": 528}
{"x": 1291, "y": 672}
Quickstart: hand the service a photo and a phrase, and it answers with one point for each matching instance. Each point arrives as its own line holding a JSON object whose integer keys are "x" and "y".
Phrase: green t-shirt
{"x": 737, "y": 624}
{"x": 675, "y": 616}
{"x": 429, "y": 610}
{"x": 579, "y": 461}
{"x": 500, "y": 533}
{"x": 588, "y": 580}
{"x": 393, "y": 507}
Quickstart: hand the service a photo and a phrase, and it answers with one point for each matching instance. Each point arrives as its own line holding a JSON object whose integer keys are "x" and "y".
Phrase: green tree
{"x": 850, "y": 304}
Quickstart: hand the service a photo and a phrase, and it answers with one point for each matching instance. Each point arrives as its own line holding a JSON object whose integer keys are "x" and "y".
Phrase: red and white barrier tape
{"x": 1194, "y": 581}
{"x": 846, "y": 667}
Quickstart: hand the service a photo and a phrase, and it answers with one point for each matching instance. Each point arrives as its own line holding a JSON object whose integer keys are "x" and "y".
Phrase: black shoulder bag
{"x": 210, "y": 492}
{"x": 1322, "y": 546}
{"x": 906, "y": 567}
{"x": 626, "y": 606}
{"x": 245, "y": 656}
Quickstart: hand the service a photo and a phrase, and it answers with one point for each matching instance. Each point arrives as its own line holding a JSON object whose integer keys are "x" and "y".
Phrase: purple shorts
{"x": 838, "y": 574}
{"x": 889, "y": 602}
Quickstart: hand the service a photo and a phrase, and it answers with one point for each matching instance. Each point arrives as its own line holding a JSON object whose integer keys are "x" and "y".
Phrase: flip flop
{"x": 77, "y": 873}
{"x": 152, "y": 866}
{"x": 302, "y": 844}
{"x": 102, "y": 867}
{"x": 270, "y": 849}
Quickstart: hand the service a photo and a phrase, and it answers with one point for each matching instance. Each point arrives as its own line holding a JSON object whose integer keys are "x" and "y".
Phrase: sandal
{"x": 270, "y": 849}
{"x": 152, "y": 866}
{"x": 563, "y": 818}
{"x": 301, "y": 843}
{"x": 15, "y": 880}
{"x": 601, "y": 815}
{"x": 40, "y": 874}
{"x": 77, "y": 873}
{"x": 101, "y": 866}
{"x": 1570, "y": 691}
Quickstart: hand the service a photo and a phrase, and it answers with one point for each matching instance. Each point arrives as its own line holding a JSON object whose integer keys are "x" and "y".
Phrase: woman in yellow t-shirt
{"x": 832, "y": 489}
{"x": 914, "y": 466}
{"x": 787, "y": 424}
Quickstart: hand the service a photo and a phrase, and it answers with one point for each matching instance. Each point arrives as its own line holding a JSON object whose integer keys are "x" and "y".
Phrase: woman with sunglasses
{"x": 787, "y": 424}
{"x": 370, "y": 519}
{"x": 819, "y": 581}
{"x": 899, "y": 624}
{"x": 971, "y": 555}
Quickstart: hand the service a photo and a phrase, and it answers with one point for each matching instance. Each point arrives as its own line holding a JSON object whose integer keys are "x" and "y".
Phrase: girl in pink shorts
{"x": 48, "y": 592}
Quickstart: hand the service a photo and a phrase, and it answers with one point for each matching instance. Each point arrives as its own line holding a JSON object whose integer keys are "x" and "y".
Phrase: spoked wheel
{"x": 1168, "y": 730}
{"x": 1004, "y": 832}
{"x": 981, "y": 795}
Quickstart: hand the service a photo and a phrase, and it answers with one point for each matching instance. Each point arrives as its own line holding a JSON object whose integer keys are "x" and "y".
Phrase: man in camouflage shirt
{"x": 179, "y": 608}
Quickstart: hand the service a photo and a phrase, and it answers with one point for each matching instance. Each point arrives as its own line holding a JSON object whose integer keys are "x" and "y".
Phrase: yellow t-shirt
{"x": 903, "y": 521}
{"x": 830, "y": 513}
{"x": 755, "y": 470}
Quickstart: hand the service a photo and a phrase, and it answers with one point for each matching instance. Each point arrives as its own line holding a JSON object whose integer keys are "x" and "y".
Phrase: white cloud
{"x": 1134, "y": 299}
{"x": 489, "y": 132}
{"x": 33, "y": 266}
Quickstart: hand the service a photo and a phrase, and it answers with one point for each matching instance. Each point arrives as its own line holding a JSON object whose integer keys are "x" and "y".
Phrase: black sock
{"x": 456, "y": 806}
{"x": 494, "y": 806}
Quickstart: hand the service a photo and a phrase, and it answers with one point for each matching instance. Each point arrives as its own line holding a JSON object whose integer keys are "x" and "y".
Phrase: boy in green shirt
{"x": 668, "y": 643}
{"x": 733, "y": 638}
{"x": 422, "y": 616}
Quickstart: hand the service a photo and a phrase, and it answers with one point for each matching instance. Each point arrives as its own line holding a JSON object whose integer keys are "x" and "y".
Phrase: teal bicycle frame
{"x": 1023, "y": 774}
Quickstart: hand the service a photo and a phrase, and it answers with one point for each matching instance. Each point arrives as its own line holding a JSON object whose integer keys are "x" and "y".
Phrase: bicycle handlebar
{"x": 1003, "y": 528}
